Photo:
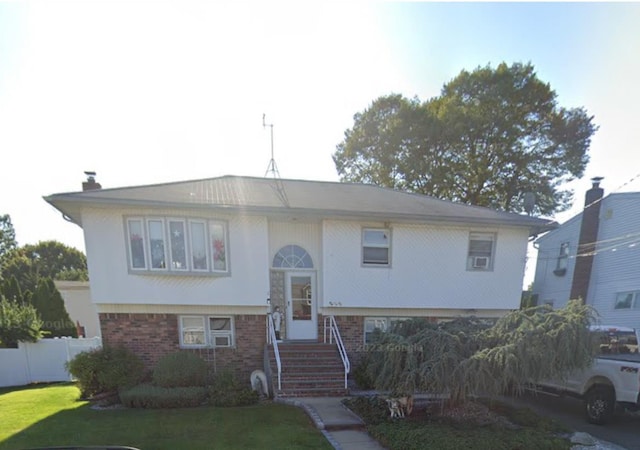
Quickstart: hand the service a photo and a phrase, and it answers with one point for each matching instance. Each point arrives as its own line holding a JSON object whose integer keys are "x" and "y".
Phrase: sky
{"x": 149, "y": 92}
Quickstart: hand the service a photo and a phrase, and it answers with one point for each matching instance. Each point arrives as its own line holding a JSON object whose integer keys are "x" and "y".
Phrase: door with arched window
{"x": 299, "y": 295}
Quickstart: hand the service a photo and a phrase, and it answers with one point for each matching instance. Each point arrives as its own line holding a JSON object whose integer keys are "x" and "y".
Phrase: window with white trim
{"x": 376, "y": 246}
{"x": 563, "y": 259}
{"x": 627, "y": 300}
{"x": 206, "y": 331}
{"x": 136, "y": 247}
{"x": 198, "y": 245}
{"x": 177, "y": 245}
{"x": 481, "y": 251}
{"x": 371, "y": 324}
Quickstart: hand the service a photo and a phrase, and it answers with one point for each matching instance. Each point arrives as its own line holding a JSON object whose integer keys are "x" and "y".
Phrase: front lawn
{"x": 52, "y": 415}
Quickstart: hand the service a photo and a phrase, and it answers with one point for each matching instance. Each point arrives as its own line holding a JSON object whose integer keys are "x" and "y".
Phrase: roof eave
{"x": 65, "y": 203}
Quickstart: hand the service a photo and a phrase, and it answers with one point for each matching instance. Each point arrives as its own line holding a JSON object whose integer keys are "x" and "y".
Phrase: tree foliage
{"x": 50, "y": 305}
{"x": 491, "y": 136}
{"x": 10, "y": 288}
{"x": 467, "y": 356}
{"x": 18, "y": 322}
{"x": 46, "y": 259}
{"x": 7, "y": 236}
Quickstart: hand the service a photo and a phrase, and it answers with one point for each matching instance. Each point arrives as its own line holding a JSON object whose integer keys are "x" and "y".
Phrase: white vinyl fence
{"x": 41, "y": 361}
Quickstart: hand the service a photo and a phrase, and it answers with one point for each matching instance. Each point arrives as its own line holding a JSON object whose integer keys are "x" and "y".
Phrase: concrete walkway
{"x": 342, "y": 428}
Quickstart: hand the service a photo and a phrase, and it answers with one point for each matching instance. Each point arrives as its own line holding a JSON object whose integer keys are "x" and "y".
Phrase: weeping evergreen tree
{"x": 468, "y": 356}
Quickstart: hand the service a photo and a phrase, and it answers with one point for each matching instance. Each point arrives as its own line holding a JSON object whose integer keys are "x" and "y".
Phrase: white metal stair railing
{"x": 271, "y": 339}
{"x": 331, "y": 326}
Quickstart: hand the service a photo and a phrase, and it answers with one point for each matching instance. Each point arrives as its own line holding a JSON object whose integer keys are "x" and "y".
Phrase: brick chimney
{"x": 90, "y": 184}
{"x": 587, "y": 243}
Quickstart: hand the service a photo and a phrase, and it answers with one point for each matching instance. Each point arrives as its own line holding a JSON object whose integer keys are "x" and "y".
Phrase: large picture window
{"x": 177, "y": 245}
{"x": 206, "y": 331}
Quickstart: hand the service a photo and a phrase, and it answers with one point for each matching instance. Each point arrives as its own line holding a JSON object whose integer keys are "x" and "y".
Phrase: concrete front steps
{"x": 309, "y": 369}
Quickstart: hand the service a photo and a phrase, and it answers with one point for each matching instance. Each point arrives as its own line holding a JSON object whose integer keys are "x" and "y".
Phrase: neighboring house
{"x": 595, "y": 256}
{"x": 198, "y": 264}
{"x": 77, "y": 301}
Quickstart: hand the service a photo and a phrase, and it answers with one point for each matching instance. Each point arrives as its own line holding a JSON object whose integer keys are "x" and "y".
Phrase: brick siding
{"x": 152, "y": 336}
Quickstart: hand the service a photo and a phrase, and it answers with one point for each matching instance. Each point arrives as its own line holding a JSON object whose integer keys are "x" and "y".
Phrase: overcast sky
{"x": 150, "y": 92}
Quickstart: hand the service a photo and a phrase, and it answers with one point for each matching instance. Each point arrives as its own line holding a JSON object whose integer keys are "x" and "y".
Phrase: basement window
{"x": 206, "y": 331}
{"x": 371, "y": 324}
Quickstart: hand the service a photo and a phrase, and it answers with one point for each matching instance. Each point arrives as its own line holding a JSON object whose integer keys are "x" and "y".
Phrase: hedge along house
{"x": 199, "y": 264}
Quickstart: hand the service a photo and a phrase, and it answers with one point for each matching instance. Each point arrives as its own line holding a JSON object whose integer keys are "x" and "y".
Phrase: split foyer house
{"x": 595, "y": 256}
{"x": 199, "y": 264}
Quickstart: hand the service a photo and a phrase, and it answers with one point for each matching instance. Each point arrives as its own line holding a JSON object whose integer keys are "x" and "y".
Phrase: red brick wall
{"x": 152, "y": 336}
{"x": 352, "y": 332}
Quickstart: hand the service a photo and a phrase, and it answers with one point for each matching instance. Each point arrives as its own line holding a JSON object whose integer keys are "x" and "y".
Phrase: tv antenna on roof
{"x": 272, "y": 167}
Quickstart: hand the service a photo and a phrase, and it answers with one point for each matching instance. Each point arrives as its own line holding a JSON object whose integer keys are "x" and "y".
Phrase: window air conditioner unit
{"x": 481, "y": 262}
{"x": 221, "y": 340}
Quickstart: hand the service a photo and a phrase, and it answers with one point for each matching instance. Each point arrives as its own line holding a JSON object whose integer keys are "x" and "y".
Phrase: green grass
{"x": 52, "y": 415}
{"x": 529, "y": 431}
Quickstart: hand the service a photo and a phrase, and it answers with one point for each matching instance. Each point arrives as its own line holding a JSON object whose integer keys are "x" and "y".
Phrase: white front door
{"x": 302, "y": 320}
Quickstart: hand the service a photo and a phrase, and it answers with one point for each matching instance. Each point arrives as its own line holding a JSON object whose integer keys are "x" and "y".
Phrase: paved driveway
{"x": 623, "y": 431}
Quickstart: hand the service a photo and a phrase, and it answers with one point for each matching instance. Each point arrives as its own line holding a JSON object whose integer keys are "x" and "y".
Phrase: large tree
{"x": 491, "y": 136}
{"x": 46, "y": 259}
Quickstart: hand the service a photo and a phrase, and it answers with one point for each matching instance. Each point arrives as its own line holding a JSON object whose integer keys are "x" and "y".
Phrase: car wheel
{"x": 599, "y": 404}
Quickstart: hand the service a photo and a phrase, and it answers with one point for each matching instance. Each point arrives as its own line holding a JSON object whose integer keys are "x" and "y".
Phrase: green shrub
{"x": 372, "y": 410}
{"x": 180, "y": 369}
{"x": 226, "y": 390}
{"x": 107, "y": 369}
{"x": 150, "y": 396}
{"x": 361, "y": 374}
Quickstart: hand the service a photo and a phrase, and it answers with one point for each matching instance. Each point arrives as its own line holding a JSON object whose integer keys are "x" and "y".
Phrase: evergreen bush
{"x": 180, "y": 369}
{"x": 107, "y": 369}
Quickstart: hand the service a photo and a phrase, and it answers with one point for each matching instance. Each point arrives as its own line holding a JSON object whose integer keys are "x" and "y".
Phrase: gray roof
{"x": 299, "y": 198}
